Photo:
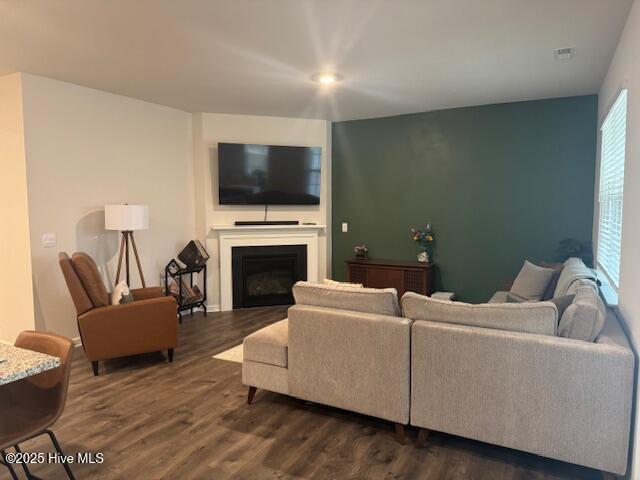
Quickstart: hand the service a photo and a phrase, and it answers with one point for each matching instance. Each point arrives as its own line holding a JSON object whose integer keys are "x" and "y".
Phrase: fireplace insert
{"x": 264, "y": 275}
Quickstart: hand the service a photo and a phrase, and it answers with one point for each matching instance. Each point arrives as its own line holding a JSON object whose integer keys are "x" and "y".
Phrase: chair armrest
{"x": 147, "y": 292}
{"x": 129, "y": 328}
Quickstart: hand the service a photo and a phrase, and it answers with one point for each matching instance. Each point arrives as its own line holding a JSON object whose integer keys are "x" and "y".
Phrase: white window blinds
{"x": 611, "y": 188}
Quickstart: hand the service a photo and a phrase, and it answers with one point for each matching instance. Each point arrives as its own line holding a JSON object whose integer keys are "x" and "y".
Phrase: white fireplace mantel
{"x": 263, "y": 228}
{"x": 230, "y": 236}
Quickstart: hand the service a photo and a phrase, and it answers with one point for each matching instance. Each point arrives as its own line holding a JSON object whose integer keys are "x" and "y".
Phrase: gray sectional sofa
{"x": 344, "y": 347}
{"x": 510, "y": 372}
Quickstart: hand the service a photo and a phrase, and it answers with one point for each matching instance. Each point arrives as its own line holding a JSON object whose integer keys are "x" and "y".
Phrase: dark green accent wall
{"x": 499, "y": 183}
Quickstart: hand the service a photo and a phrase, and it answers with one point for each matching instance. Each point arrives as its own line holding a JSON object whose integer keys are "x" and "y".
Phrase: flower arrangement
{"x": 361, "y": 251}
{"x": 424, "y": 239}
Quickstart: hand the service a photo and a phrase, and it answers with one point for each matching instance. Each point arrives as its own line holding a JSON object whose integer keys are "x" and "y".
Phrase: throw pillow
{"x": 553, "y": 283}
{"x": 532, "y": 281}
{"x": 119, "y": 291}
{"x": 562, "y": 303}
{"x": 573, "y": 270}
{"x": 128, "y": 298}
{"x": 335, "y": 283}
{"x": 584, "y": 318}
{"x": 513, "y": 298}
{"x": 528, "y": 317}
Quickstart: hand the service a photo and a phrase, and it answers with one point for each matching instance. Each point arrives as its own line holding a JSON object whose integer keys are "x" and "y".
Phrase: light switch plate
{"x": 49, "y": 240}
{"x": 345, "y": 227}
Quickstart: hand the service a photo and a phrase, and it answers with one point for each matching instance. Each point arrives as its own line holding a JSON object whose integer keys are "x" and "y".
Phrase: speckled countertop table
{"x": 20, "y": 363}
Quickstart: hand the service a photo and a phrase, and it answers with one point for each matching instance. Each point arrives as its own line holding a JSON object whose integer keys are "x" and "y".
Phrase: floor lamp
{"x": 126, "y": 219}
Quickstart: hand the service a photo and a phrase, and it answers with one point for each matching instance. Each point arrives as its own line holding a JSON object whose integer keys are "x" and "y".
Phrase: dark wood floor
{"x": 190, "y": 420}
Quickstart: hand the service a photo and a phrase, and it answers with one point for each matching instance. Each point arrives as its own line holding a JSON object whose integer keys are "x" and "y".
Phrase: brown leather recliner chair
{"x": 147, "y": 324}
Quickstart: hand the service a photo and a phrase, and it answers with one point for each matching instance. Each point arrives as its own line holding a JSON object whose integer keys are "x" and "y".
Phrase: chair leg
{"x": 422, "y": 437}
{"x": 94, "y": 365}
{"x": 27, "y": 472}
{"x": 400, "y": 434}
{"x": 170, "y": 354}
{"x": 252, "y": 393}
{"x": 66, "y": 466}
{"x": 12, "y": 472}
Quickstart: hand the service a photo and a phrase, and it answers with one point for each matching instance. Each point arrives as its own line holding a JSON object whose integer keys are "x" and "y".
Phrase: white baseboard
{"x": 210, "y": 309}
{"x": 5, "y": 342}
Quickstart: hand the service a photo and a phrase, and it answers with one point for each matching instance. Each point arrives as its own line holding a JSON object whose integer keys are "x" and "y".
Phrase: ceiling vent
{"x": 563, "y": 54}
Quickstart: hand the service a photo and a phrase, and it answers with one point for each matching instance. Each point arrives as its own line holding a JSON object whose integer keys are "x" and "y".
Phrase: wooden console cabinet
{"x": 403, "y": 276}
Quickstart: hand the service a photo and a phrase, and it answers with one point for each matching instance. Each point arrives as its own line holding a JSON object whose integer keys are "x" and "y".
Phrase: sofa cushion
{"x": 574, "y": 269}
{"x": 268, "y": 345}
{"x": 532, "y": 281}
{"x": 581, "y": 282}
{"x": 562, "y": 303}
{"x": 513, "y": 298}
{"x": 366, "y": 300}
{"x": 584, "y": 318}
{"x": 499, "y": 297}
{"x": 535, "y": 317}
{"x": 553, "y": 283}
{"x": 89, "y": 275}
{"x": 264, "y": 376}
{"x": 502, "y": 296}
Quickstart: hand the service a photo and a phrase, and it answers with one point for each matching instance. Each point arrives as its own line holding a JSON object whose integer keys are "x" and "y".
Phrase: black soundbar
{"x": 265, "y": 222}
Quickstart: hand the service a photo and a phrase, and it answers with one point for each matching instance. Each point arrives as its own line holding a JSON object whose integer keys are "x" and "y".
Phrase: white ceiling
{"x": 256, "y": 56}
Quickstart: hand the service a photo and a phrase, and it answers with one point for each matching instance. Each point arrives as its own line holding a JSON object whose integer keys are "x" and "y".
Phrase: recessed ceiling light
{"x": 326, "y": 78}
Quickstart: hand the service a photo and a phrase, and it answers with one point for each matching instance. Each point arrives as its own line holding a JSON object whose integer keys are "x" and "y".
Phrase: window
{"x": 612, "y": 155}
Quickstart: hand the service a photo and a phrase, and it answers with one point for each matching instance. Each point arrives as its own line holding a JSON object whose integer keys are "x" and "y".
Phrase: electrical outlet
{"x": 345, "y": 227}
{"x": 49, "y": 240}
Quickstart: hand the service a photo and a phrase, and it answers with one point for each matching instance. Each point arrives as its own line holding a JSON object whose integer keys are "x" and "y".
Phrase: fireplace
{"x": 264, "y": 275}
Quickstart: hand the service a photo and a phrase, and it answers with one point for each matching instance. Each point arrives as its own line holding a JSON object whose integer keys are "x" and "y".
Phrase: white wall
{"x": 78, "y": 149}
{"x": 16, "y": 299}
{"x": 86, "y": 148}
{"x": 625, "y": 71}
{"x": 209, "y": 129}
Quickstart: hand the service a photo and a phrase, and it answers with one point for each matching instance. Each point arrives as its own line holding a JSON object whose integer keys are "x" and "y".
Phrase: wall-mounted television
{"x": 250, "y": 174}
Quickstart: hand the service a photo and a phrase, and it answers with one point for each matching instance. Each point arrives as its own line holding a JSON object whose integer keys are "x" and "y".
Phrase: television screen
{"x": 268, "y": 174}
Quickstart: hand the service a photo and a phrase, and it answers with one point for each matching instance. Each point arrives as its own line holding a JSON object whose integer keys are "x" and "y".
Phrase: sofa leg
{"x": 252, "y": 393}
{"x": 608, "y": 476}
{"x": 400, "y": 434}
{"x": 422, "y": 437}
{"x": 170, "y": 354}
{"x": 94, "y": 365}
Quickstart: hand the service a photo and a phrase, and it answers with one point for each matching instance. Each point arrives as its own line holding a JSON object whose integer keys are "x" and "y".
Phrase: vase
{"x": 423, "y": 257}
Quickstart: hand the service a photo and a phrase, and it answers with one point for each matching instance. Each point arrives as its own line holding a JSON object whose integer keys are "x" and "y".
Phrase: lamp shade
{"x": 126, "y": 217}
